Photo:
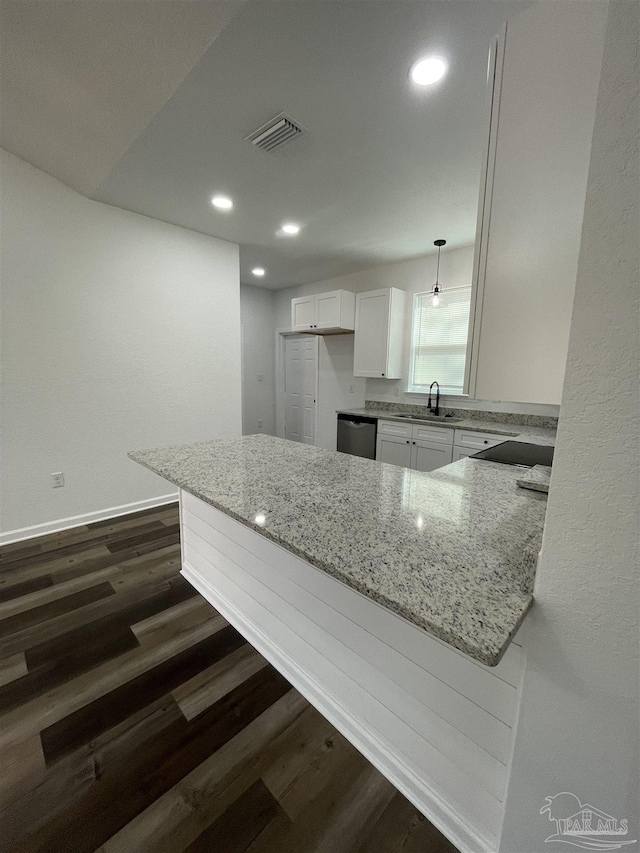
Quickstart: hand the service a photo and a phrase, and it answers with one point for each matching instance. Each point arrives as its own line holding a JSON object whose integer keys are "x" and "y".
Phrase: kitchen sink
{"x": 435, "y": 419}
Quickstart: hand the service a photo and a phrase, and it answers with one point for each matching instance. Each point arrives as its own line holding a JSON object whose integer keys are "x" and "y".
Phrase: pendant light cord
{"x": 439, "y": 244}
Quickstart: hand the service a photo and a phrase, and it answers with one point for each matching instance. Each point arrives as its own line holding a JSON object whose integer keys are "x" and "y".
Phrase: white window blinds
{"x": 439, "y": 344}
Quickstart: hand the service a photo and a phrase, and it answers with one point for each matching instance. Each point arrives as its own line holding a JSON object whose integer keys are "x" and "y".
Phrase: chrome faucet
{"x": 435, "y": 411}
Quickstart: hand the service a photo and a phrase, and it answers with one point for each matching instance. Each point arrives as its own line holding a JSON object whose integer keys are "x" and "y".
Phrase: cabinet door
{"x": 328, "y": 310}
{"x": 396, "y": 451}
{"x": 461, "y": 453}
{"x": 372, "y": 334}
{"x": 303, "y": 313}
{"x": 427, "y": 455}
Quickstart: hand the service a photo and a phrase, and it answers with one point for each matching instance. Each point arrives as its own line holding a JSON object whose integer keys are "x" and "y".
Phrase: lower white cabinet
{"x": 474, "y": 441}
{"x": 417, "y": 447}
{"x": 460, "y": 453}
{"x": 423, "y": 447}
{"x": 394, "y": 450}
{"x": 467, "y": 442}
{"x": 427, "y": 455}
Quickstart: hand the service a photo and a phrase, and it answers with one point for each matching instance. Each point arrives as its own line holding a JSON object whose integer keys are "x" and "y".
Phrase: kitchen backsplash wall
{"x": 545, "y": 421}
{"x": 383, "y": 391}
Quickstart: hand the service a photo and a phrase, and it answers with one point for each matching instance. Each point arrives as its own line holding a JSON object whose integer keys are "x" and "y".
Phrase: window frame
{"x": 411, "y": 387}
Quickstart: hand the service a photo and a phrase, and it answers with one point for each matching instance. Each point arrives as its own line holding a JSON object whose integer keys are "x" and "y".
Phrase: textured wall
{"x": 118, "y": 332}
{"x": 579, "y": 721}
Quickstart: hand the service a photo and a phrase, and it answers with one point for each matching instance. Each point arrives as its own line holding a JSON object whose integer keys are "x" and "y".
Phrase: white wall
{"x": 336, "y": 353}
{"x": 119, "y": 332}
{"x": 579, "y": 718}
{"x": 257, "y": 313}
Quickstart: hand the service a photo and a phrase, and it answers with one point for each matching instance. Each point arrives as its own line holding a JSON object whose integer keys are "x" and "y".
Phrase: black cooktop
{"x": 517, "y": 453}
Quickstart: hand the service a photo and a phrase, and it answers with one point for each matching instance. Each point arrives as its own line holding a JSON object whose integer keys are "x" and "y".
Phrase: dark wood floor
{"x": 135, "y": 718}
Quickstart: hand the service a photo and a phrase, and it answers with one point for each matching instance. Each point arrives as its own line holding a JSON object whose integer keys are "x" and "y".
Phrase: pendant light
{"x": 437, "y": 287}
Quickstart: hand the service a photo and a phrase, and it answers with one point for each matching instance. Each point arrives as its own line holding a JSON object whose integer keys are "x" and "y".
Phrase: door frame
{"x": 281, "y": 336}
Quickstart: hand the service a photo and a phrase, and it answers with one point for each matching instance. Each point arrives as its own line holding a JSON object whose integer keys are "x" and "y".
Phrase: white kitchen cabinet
{"x": 544, "y": 76}
{"x": 379, "y": 328}
{"x": 466, "y": 442}
{"x": 460, "y": 453}
{"x": 394, "y": 450}
{"x": 434, "y": 434}
{"x": 421, "y": 448}
{"x": 475, "y": 441}
{"x": 401, "y": 429}
{"x": 331, "y": 313}
{"x": 303, "y": 313}
{"x": 429, "y": 455}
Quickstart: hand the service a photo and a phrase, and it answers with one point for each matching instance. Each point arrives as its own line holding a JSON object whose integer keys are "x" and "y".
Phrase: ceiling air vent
{"x": 275, "y": 133}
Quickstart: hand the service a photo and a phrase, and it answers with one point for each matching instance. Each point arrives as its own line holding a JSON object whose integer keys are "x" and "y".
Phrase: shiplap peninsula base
{"x": 388, "y": 597}
{"x": 439, "y": 725}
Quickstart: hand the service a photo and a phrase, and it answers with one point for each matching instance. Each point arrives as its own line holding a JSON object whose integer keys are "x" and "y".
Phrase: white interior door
{"x": 300, "y": 387}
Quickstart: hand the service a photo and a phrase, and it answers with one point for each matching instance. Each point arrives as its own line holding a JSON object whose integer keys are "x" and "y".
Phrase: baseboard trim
{"x": 365, "y": 740}
{"x": 60, "y": 524}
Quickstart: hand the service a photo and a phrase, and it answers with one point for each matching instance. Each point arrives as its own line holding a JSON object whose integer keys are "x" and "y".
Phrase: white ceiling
{"x": 82, "y": 78}
{"x": 383, "y": 170}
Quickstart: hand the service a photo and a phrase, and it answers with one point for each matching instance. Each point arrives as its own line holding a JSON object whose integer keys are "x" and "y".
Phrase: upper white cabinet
{"x": 330, "y": 313}
{"x": 379, "y": 330}
{"x": 545, "y": 70}
{"x": 303, "y": 313}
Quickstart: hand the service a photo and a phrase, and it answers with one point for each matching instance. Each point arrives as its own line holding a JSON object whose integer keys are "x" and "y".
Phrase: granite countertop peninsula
{"x": 537, "y": 429}
{"x": 452, "y": 551}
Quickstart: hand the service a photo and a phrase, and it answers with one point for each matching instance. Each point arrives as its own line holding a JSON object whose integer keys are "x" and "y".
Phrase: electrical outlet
{"x": 352, "y": 388}
{"x": 396, "y": 391}
{"x": 57, "y": 480}
{"x": 259, "y": 424}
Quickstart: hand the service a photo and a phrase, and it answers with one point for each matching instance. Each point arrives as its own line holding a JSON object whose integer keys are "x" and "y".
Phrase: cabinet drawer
{"x": 433, "y": 434}
{"x": 395, "y": 428}
{"x": 478, "y": 440}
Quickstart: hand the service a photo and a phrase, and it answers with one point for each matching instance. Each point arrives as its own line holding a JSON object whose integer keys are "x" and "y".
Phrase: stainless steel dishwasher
{"x": 357, "y": 435}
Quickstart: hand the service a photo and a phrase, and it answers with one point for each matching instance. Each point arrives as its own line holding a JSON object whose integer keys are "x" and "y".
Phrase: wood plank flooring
{"x": 133, "y": 717}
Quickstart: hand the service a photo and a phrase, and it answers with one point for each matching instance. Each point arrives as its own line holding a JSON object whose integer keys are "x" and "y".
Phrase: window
{"x": 439, "y": 341}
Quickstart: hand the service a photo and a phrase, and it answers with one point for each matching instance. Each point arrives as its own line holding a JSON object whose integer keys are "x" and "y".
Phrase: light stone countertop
{"x": 538, "y": 478}
{"x": 510, "y": 429}
{"x": 450, "y": 551}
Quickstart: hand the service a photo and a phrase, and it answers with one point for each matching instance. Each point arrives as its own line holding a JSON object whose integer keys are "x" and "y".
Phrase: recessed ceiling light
{"x": 428, "y": 71}
{"x": 222, "y": 202}
{"x": 258, "y": 271}
{"x": 290, "y": 228}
